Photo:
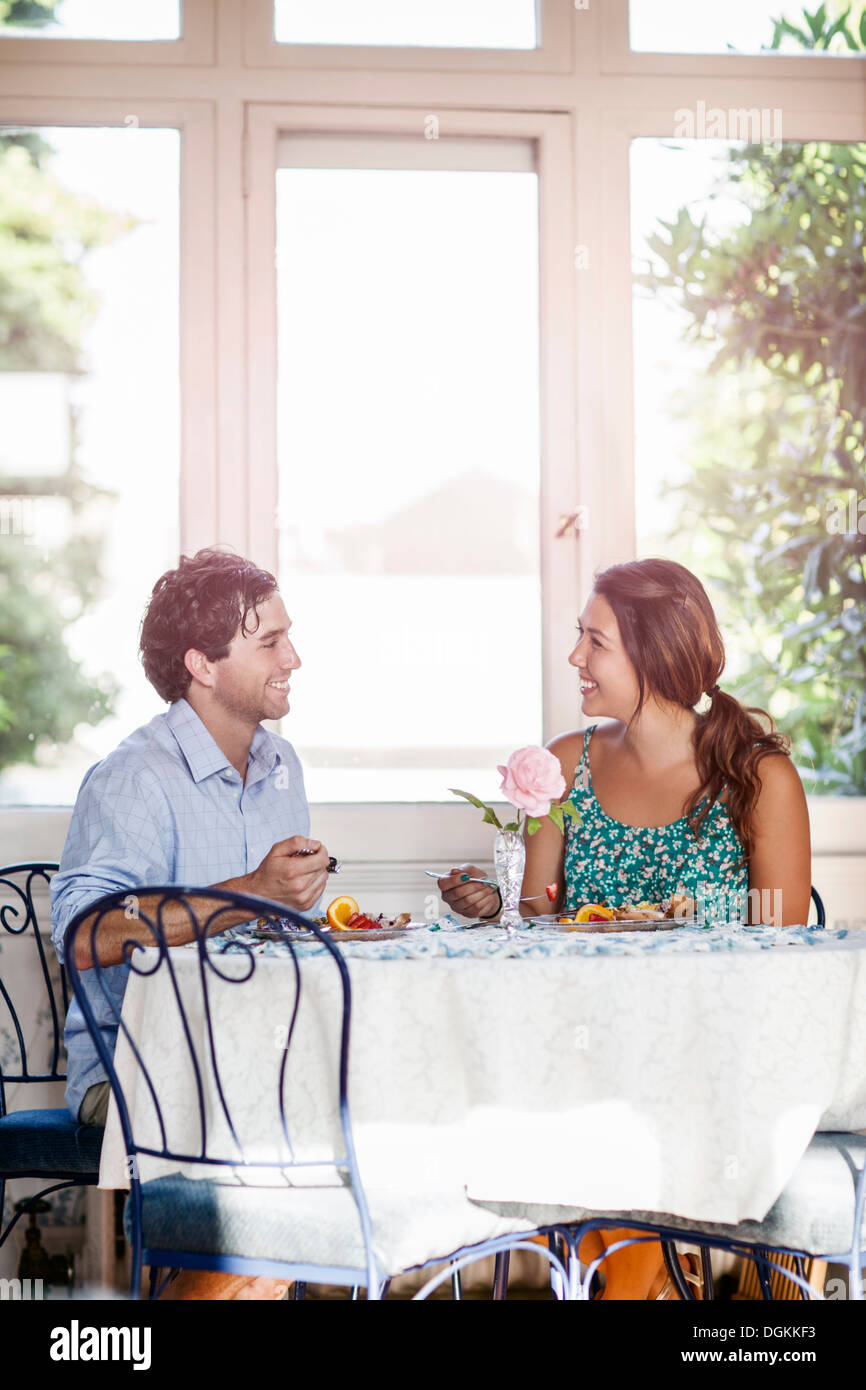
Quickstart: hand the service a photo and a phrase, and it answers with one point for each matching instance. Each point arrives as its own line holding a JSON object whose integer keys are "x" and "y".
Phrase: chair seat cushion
{"x": 47, "y": 1141}
{"x": 311, "y": 1225}
{"x": 814, "y": 1213}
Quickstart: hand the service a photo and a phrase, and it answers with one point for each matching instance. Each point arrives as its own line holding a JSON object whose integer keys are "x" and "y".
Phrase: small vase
{"x": 509, "y": 857}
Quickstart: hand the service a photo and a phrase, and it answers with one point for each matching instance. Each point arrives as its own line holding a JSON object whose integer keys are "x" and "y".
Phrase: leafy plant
{"x": 825, "y": 28}
{"x": 779, "y": 460}
{"x": 46, "y": 233}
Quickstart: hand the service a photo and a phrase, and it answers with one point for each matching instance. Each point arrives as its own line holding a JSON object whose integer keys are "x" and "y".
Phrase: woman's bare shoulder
{"x": 568, "y": 748}
{"x": 781, "y": 791}
{"x": 572, "y": 738}
{"x": 778, "y": 776}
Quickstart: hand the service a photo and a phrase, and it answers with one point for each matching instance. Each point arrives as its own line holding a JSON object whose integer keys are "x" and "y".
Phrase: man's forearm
{"x": 177, "y": 917}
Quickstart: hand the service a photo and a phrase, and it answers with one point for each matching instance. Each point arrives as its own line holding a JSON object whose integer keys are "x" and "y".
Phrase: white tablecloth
{"x": 672, "y": 1075}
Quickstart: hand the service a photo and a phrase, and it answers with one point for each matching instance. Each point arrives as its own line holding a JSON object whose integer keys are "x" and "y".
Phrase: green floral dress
{"x": 607, "y": 860}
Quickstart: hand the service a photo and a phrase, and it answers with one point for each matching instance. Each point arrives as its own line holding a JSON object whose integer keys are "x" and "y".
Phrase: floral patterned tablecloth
{"x": 681, "y": 1071}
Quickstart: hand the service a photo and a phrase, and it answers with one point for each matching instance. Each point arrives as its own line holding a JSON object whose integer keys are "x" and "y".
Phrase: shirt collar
{"x": 203, "y": 754}
{"x": 264, "y": 753}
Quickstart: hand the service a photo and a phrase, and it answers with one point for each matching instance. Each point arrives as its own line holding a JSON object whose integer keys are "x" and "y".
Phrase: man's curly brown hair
{"x": 200, "y": 604}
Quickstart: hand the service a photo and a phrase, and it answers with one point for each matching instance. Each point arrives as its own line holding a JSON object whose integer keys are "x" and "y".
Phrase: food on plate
{"x": 340, "y": 910}
{"x": 680, "y": 907}
{"x": 551, "y": 890}
{"x": 344, "y": 914}
{"x": 637, "y": 912}
{"x": 593, "y": 912}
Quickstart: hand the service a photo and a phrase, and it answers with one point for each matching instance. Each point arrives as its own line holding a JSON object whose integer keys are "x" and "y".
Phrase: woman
{"x": 672, "y": 800}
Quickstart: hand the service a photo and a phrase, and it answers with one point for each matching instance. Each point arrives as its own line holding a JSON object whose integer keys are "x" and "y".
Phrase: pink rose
{"x": 532, "y": 779}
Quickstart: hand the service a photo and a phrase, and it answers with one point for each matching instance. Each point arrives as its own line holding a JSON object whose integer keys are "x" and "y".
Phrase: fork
{"x": 490, "y": 883}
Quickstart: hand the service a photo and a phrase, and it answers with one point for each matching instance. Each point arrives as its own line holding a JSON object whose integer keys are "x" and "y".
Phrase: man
{"x": 202, "y": 795}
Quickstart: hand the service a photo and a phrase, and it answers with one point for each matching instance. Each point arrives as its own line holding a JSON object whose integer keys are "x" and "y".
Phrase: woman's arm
{"x": 545, "y": 850}
{"x": 780, "y": 866}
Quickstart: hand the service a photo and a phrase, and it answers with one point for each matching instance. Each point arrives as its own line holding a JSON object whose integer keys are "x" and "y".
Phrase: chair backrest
{"x": 197, "y": 993}
{"x": 819, "y": 907}
{"x": 33, "y": 989}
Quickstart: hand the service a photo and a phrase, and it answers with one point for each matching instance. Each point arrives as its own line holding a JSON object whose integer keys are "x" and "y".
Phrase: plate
{"x": 547, "y": 919}
{"x": 365, "y": 934}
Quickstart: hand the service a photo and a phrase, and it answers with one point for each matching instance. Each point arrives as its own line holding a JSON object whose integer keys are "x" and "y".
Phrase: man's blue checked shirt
{"x": 166, "y": 807}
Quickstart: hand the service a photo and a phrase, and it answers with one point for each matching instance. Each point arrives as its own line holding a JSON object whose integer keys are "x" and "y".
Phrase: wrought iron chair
{"x": 819, "y": 1215}
{"x": 44, "y": 1143}
{"x": 319, "y": 1224}
{"x": 819, "y": 907}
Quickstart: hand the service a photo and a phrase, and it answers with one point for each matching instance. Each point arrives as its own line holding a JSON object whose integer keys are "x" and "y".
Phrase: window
{"x": 746, "y": 27}
{"x": 91, "y": 19}
{"x": 409, "y": 459}
{"x": 409, "y": 23}
{"x": 749, "y": 413}
{"x": 89, "y": 460}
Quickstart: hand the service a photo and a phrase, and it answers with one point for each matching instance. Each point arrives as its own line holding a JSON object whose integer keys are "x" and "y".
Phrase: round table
{"x": 681, "y": 1071}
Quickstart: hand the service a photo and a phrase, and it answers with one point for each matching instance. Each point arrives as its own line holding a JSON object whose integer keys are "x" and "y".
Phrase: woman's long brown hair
{"x": 671, "y": 637}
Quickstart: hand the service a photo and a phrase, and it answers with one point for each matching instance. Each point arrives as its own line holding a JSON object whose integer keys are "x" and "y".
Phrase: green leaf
{"x": 816, "y": 21}
{"x": 490, "y": 817}
{"x": 555, "y": 814}
{"x": 532, "y": 824}
{"x": 569, "y": 810}
{"x": 512, "y": 825}
{"x": 482, "y": 805}
{"x": 862, "y": 28}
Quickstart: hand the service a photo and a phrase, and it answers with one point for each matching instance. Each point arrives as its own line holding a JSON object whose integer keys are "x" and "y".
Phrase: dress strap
{"x": 581, "y": 772}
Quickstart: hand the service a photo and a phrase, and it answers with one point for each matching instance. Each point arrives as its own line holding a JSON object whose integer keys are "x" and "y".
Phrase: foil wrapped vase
{"x": 509, "y": 858}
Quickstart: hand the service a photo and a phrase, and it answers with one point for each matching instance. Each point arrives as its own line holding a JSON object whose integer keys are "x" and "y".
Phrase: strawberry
{"x": 551, "y": 890}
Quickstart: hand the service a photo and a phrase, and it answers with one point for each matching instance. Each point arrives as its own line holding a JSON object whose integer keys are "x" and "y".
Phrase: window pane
{"x": 746, "y": 26}
{"x": 409, "y": 475}
{"x": 89, "y": 444}
{"x": 408, "y": 23}
{"x": 750, "y": 409}
{"x": 90, "y": 19}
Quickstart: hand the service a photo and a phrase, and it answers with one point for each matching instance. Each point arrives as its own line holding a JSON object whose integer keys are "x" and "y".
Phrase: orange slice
{"x": 339, "y": 912}
{"x": 594, "y": 912}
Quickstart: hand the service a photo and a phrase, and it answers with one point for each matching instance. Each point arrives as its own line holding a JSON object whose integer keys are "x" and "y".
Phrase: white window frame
{"x": 620, "y": 57}
{"x": 552, "y": 138}
{"x": 595, "y": 90}
{"x": 196, "y": 45}
{"x": 197, "y": 515}
{"x": 553, "y": 54}
{"x": 620, "y": 128}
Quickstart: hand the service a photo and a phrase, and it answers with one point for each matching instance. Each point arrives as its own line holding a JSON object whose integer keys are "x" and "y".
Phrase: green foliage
{"x": 780, "y": 438}
{"x": 831, "y": 27}
{"x": 43, "y": 694}
{"x": 46, "y": 232}
{"x": 34, "y": 14}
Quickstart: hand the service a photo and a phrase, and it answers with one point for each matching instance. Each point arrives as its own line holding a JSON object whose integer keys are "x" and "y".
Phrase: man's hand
{"x": 467, "y": 898}
{"x": 289, "y": 877}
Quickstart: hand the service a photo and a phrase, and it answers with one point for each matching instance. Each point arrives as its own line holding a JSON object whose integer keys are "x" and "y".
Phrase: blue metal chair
{"x": 323, "y": 1233}
{"x": 819, "y": 907}
{"x": 819, "y": 1215}
{"x": 44, "y": 1143}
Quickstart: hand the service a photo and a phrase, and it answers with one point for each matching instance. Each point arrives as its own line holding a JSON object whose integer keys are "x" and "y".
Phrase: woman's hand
{"x": 467, "y": 898}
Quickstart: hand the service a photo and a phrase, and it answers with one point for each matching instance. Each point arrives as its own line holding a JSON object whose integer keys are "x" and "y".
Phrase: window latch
{"x": 572, "y": 523}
